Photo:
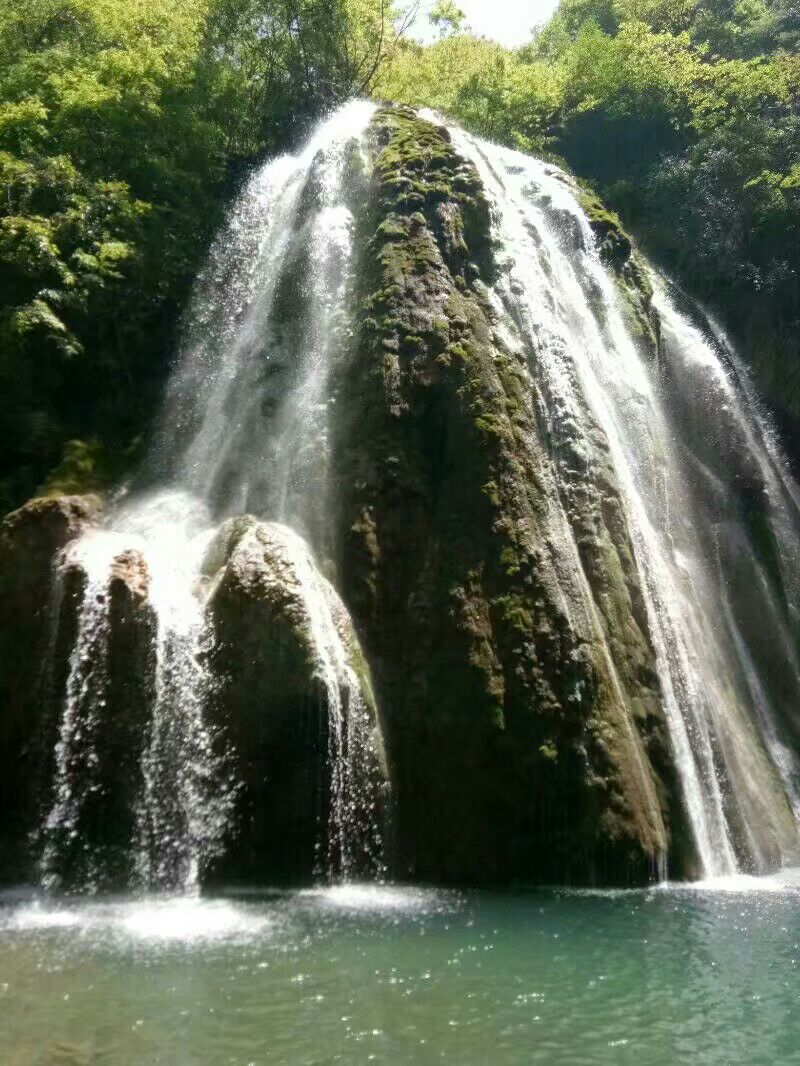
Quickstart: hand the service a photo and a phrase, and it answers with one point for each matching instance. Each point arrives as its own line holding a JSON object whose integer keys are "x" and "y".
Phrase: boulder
{"x": 102, "y": 665}
{"x": 30, "y": 541}
{"x": 288, "y": 675}
{"x": 501, "y": 613}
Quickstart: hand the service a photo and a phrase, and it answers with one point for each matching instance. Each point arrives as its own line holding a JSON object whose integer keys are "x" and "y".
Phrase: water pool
{"x": 695, "y": 974}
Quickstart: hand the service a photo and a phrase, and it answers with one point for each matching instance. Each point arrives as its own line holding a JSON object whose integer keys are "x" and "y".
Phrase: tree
{"x": 447, "y": 18}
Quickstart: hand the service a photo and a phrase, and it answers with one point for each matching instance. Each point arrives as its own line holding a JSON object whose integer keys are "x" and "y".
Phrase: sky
{"x": 507, "y": 21}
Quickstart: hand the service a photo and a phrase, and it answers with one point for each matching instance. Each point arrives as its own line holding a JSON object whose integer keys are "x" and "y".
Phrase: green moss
{"x": 458, "y": 351}
{"x": 445, "y": 453}
{"x": 413, "y": 343}
{"x": 515, "y": 613}
{"x": 225, "y": 543}
{"x": 548, "y": 752}
{"x": 89, "y": 467}
{"x": 392, "y": 229}
{"x": 595, "y": 210}
{"x": 509, "y": 560}
{"x": 418, "y": 169}
{"x": 614, "y": 244}
{"x": 633, "y": 283}
{"x": 492, "y": 493}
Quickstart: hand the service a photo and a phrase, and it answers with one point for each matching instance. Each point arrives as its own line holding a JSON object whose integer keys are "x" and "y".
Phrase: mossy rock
{"x": 516, "y": 751}
{"x": 89, "y": 467}
{"x": 30, "y": 541}
{"x": 268, "y": 706}
{"x": 618, "y": 252}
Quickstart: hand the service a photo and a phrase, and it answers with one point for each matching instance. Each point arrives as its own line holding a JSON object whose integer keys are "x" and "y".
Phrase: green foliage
{"x": 124, "y": 125}
{"x": 105, "y": 141}
{"x": 486, "y": 87}
{"x": 281, "y": 61}
{"x": 447, "y": 17}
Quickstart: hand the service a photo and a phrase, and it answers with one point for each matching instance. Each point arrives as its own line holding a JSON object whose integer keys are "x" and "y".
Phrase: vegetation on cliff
{"x": 685, "y": 117}
{"x": 450, "y": 541}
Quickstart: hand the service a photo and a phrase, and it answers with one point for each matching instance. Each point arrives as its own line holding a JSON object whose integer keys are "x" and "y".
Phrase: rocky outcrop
{"x": 522, "y": 743}
{"x": 286, "y": 662}
{"x": 618, "y": 252}
{"x": 45, "y": 588}
{"x": 480, "y": 542}
{"x": 101, "y": 668}
{"x": 30, "y": 539}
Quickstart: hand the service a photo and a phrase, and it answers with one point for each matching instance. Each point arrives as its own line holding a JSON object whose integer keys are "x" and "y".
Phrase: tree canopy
{"x": 124, "y": 125}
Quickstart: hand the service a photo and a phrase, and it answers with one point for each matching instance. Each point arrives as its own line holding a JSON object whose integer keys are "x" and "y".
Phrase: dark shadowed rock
{"x": 30, "y": 540}
{"x": 111, "y": 629}
{"x": 278, "y": 629}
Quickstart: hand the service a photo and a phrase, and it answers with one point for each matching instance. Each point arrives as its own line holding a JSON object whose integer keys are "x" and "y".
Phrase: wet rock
{"x": 30, "y": 539}
{"x": 91, "y": 842}
{"x": 123, "y": 734}
{"x": 521, "y": 709}
{"x": 276, "y": 626}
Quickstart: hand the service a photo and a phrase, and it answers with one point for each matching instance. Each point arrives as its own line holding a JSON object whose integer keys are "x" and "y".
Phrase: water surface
{"x": 405, "y": 975}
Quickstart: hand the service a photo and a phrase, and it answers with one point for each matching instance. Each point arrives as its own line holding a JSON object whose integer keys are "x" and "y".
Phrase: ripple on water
{"x": 399, "y": 975}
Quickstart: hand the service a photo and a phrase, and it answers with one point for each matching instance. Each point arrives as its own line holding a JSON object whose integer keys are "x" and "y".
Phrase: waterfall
{"x": 683, "y": 434}
{"x": 712, "y": 512}
{"x": 244, "y": 429}
{"x": 185, "y": 796}
{"x": 354, "y": 836}
{"x": 249, "y": 396}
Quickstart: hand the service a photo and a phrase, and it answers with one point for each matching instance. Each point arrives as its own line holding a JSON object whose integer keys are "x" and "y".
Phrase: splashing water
{"x": 353, "y": 836}
{"x": 76, "y": 756}
{"x": 186, "y": 797}
{"x": 266, "y": 326}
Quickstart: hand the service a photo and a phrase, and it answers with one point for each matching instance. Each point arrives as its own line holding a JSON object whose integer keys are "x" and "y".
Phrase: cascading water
{"x": 84, "y": 702}
{"x": 266, "y": 327}
{"x": 712, "y": 511}
{"x": 354, "y": 840}
{"x": 186, "y": 796}
{"x": 249, "y": 404}
{"x": 683, "y": 437}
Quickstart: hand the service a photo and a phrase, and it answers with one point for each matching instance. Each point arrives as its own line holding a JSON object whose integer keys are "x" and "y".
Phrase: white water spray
{"x": 245, "y": 428}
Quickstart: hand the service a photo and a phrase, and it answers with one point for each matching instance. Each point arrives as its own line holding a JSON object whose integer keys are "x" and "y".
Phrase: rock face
{"x": 483, "y": 554}
{"x": 517, "y": 683}
{"x": 30, "y": 539}
{"x": 102, "y": 664}
{"x": 283, "y": 651}
{"x": 45, "y": 590}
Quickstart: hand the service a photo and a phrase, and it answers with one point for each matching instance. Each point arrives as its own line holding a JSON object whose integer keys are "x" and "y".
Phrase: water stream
{"x": 684, "y": 436}
{"x": 244, "y": 429}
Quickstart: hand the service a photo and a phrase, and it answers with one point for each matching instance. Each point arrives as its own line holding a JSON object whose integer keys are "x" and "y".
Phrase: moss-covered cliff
{"x": 519, "y": 747}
